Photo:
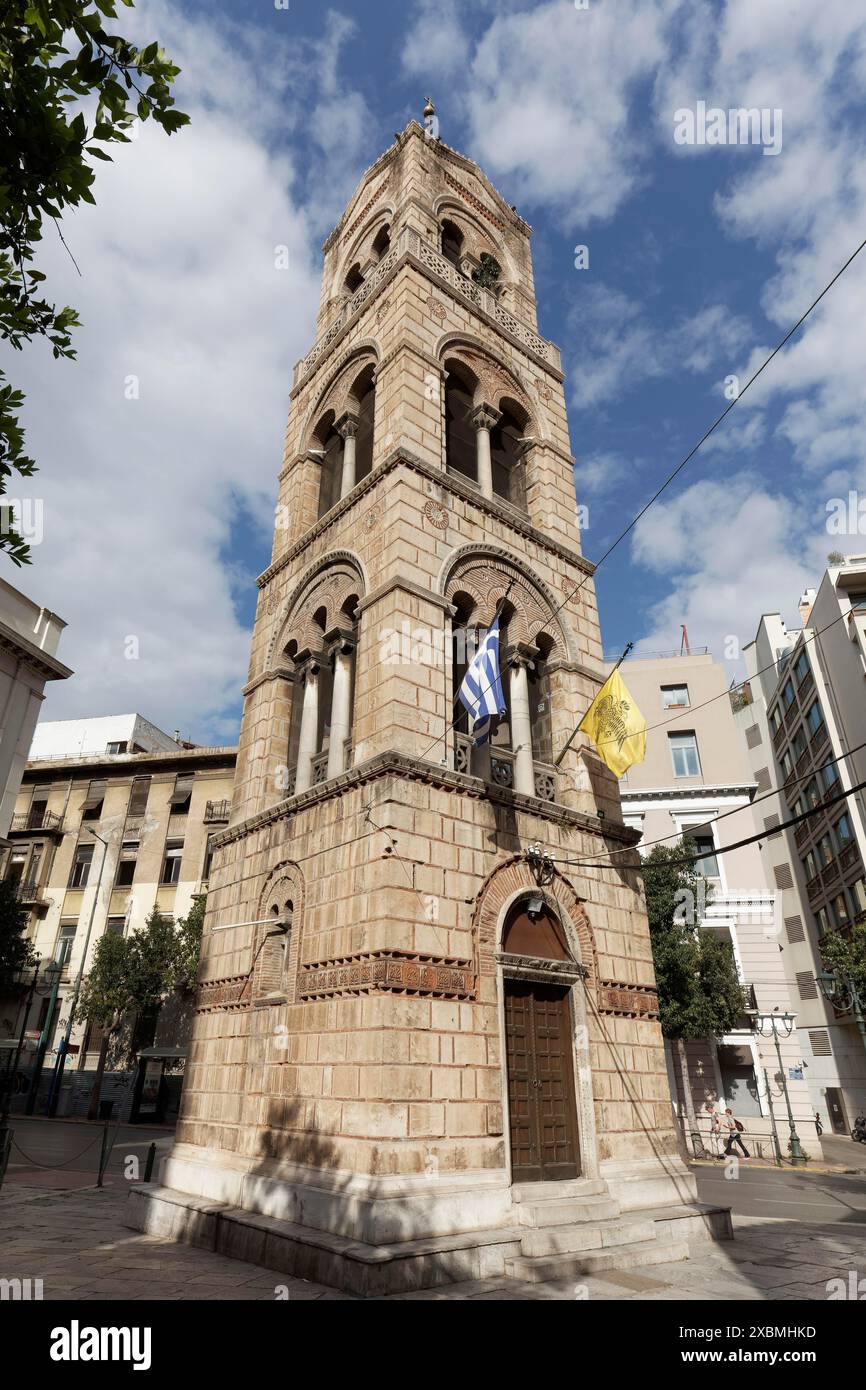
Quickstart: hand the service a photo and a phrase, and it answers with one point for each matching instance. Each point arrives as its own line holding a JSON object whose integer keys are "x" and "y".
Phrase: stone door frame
{"x": 572, "y": 975}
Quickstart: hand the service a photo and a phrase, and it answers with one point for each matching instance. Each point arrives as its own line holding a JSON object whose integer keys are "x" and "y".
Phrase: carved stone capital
{"x": 309, "y": 663}
{"x": 521, "y": 654}
{"x": 526, "y": 443}
{"x": 340, "y": 639}
{"x": 347, "y": 425}
{"x": 485, "y": 417}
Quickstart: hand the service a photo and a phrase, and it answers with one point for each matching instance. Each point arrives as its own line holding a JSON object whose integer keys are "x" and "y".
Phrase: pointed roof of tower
{"x": 444, "y": 152}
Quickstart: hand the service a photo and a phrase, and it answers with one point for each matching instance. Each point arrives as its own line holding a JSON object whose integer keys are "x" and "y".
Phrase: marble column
{"x": 309, "y": 726}
{"x": 342, "y": 647}
{"x": 521, "y": 725}
{"x": 484, "y": 418}
{"x": 347, "y": 428}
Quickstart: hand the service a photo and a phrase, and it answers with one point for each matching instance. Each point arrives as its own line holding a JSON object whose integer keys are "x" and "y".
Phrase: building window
{"x": 675, "y": 696}
{"x": 92, "y": 808}
{"x": 126, "y": 864}
{"x": 684, "y": 754}
{"x": 787, "y": 762}
{"x": 829, "y": 776}
{"x": 138, "y": 796}
{"x": 788, "y": 694}
{"x": 775, "y": 719}
{"x": 814, "y": 718}
{"x": 858, "y": 893}
{"x": 858, "y": 602}
{"x": 81, "y": 866}
{"x": 172, "y": 861}
{"x": 354, "y": 279}
{"x": 813, "y": 795}
{"x": 844, "y": 834}
{"x": 822, "y": 917}
{"x": 116, "y": 926}
{"x": 181, "y": 796}
{"x": 825, "y": 849}
{"x": 208, "y": 859}
{"x": 63, "y": 949}
{"x": 38, "y": 807}
{"x": 840, "y": 910}
{"x": 810, "y": 866}
{"x": 801, "y": 668}
{"x": 708, "y": 864}
{"x": 798, "y": 746}
{"x": 119, "y": 747}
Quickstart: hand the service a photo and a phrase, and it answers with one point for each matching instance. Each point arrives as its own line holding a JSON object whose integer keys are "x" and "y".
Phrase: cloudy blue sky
{"x": 158, "y": 511}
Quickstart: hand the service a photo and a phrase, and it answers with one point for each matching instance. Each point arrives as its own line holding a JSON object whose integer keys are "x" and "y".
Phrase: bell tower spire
{"x": 414, "y": 998}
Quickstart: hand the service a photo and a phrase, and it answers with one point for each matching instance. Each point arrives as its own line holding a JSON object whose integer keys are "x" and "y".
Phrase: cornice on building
{"x": 120, "y": 763}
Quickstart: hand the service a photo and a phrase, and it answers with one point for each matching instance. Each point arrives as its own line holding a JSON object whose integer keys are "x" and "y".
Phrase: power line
{"x": 689, "y": 456}
{"x": 728, "y": 849}
{"x": 737, "y": 810}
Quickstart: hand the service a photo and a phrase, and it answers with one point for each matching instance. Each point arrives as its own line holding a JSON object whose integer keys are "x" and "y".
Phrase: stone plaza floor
{"x": 76, "y": 1243}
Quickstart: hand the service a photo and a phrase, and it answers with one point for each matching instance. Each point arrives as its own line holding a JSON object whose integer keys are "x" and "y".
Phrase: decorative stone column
{"x": 342, "y": 647}
{"x": 484, "y": 418}
{"x": 519, "y": 660}
{"x": 347, "y": 428}
{"x": 309, "y": 722}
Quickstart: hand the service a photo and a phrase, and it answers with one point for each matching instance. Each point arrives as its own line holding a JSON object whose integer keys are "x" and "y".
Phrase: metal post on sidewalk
{"x": 776, "y": 1145}
{"x": 772, "y": 1025}
{"x": 63, "y": 1050}
{"x": 103, "y": 1154}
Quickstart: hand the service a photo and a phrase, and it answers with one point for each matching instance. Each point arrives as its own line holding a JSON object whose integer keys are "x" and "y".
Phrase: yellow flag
{"x": 616, "y": 726}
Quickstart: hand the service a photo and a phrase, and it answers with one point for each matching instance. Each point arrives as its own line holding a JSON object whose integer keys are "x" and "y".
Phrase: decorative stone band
{"x": 399, "y": 971}
{"x": 213, "y": 995}
{"x": 632, "y": 1001}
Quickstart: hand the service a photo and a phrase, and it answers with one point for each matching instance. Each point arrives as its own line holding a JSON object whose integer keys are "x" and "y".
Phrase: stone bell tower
{"x": 424, "y": 1052}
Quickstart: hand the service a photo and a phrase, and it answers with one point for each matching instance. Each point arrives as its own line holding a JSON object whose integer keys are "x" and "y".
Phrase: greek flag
{"x": 481, "y": 690}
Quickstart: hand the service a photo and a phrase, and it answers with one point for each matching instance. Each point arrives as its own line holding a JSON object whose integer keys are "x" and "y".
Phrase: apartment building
{"x": 696, "y": 780}
{"x": 98, "y": 841}
{"x": 803, "y": 719}
{"x": 29, "y": 638}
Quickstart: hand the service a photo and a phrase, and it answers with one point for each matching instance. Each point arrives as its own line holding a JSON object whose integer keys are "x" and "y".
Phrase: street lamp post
{"x": 778, "y": 1025}
{"x": 776, "y": 1145}
{"x": 57, "y": 1079}
{"x": 839, "y": 989}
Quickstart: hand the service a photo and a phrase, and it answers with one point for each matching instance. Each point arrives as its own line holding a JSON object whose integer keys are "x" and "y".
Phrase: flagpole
{"x": 574, "y": 731}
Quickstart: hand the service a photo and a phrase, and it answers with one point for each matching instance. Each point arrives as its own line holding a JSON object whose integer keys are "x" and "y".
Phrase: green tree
{"x": 131, "y": 976}
{"x": 845, "y": 954}
{"x": 700, "y": 995}
{"x": 68, "y": 88}
{"x": 16, "y": 953}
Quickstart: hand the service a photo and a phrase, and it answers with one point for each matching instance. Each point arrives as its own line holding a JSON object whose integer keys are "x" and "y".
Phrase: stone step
{"x": 573, "y": 1264}
{"x": 599, "y": 1235}
{"x": 546, "y": 1191}
{"x": 556, "y": 1212}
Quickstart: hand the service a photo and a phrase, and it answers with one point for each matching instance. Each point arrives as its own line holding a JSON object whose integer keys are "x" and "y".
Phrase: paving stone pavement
{"x": 76, "y": 1242}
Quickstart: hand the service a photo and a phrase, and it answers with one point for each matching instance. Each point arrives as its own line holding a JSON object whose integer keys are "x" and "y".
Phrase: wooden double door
{"x": 541, "y": 1100}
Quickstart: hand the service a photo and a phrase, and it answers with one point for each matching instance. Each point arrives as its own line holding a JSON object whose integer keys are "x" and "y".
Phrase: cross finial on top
{"x": 431, "y": 120}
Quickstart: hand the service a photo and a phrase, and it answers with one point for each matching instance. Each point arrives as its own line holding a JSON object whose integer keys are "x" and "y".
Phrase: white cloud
{"x": 179, "y": 288}
{"x": 547, "y": 95}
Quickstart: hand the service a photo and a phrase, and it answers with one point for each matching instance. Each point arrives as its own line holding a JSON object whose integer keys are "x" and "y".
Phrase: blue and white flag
{"x": 481, "y": 690}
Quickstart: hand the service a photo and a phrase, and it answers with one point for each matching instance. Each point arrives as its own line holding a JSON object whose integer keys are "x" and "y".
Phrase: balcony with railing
{"x": 29, "y": 893}
{"x": 217, "y": 812}
{"x": 29, "y": 822}
{"x": 502, "y": 762}
{"x": 409, "y": 243}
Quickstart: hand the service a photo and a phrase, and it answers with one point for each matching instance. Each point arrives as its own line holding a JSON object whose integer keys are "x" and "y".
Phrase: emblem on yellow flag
{"x": 616, "y": 726}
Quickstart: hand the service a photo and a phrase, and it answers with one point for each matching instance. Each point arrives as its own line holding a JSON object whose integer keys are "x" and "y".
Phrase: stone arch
{"x": 336, "y": 393}
{"x": 495, "y": 383}
{"x": 328, "y": 585}
{"x": 484, "y": 573}
{"x": 361, "y": 244}
{"x": 505, "y": 886}
{"x": 478, "y": 237}
{"x": 281, "y": 901}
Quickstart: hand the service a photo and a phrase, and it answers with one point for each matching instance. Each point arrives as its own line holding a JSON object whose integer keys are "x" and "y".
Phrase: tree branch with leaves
{"x": 56, "y": 56}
